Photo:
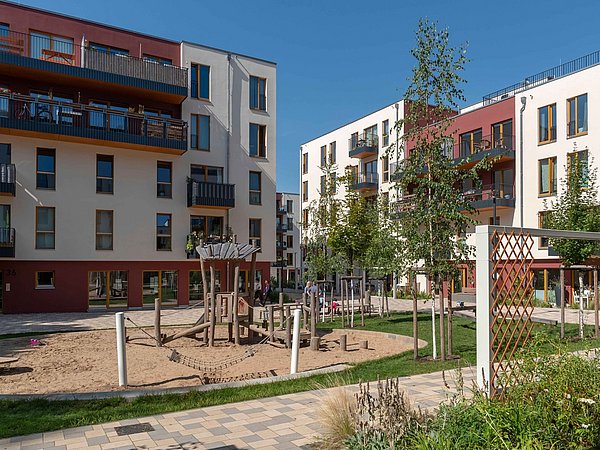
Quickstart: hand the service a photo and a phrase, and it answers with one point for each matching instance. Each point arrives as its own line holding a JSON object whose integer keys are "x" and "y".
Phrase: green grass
{"x": 34, "y": 416}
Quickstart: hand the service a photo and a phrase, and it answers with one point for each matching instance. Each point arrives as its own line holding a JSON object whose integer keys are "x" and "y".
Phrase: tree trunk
{"x": 442, "y": 325}
{"x": 581, "y": 304}
{"x": 415, "y": 320}
{"x": 562, "y": 303}
{"x": 450, "y": 350}
{"x": 433, "y": 339}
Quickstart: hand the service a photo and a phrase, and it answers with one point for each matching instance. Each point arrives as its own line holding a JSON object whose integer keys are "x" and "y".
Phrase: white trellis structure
{"x": 505, "y": 294}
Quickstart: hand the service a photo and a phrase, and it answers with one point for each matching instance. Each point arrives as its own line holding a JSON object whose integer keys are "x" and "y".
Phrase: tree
{"x": 436, "y": 213}
{"x": 576, "y": 209}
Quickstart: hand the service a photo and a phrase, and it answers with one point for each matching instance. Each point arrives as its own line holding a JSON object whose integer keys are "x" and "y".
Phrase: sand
{"x": 86, "y": 361}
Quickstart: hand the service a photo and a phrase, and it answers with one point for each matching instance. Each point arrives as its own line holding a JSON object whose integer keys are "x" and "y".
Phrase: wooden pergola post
{"x": 205, "y": 297}
{"x": 236, "y": 320}
{"x": 213, "y": 306}
{"x": 251, "y": 298}
{"x": 415, "y": 318}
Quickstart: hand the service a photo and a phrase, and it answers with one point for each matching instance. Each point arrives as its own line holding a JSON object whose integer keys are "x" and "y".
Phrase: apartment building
{"x": 120, "y": 151}
{"x": 287, "y": 267}
{"x": 557, "y": 125}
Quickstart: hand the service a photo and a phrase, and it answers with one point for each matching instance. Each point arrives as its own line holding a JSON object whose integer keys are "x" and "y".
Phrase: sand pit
{"x": 86, "y": 361}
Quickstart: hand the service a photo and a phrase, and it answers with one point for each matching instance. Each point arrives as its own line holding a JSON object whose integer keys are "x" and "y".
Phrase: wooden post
{"x": 281, "y": 311}
{"x": 313, "y": 316}
{"x": 271, "y": 312}
{"x": 342, "y": 292}
{"x": 236, "y": 319}
{"x": 443, "y": 286}
{"x": 596, "y": 334}
{"x": 343, "y": 342}
{"x": 450, "y": 312}
{"x": 562, "y": 303}
{"x": 304, "y": 316}
{"x": 288, "y": 327}
{"x": 415, "y": 319}
{"x": 204, "y": 296}
{"x": 251, "y": 297}
{"x": 364, "y": 344}
{"x": 157, "y": 335}
{"x": 315, "y": 342}
{"x": 363, "y": 293}
{"x": 213, "y": 307}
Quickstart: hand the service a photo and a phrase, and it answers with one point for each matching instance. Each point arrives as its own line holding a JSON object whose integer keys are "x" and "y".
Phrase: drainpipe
{"x": 228, "y": 126}
{"x": 523, "y": 103}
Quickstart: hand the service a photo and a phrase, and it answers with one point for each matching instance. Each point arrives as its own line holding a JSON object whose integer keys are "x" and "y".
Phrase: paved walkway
{"x": 276, "y": 423}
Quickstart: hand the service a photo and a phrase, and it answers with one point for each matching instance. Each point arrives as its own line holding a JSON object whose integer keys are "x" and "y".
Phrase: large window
{"x": 209, "y": 174}
{"x": 45, "y": 168}
{"x": 543, "y": 217}
{"x": 258, "y": 93}
{"x": 254, "y": 232}
{"x": 160, "y": 284}
{"x": 332, "y": 151}
{"x": 104, "y": 230}
{"x": 258, "y": 140}
{"x": 470, "y": 142}
{"x": 206, "y": 226}
{"x": 502, "y": 135}
{"x": 158, "y": 60}
{"x": 50, "y": 47}
{"x": 108, "y": 49}
{"x": 579, "y": 160}
{"x": 163, "y": 231}
{"x": 164, "y": 179}
{"x": 44, "y": 280}
{"x": 104, "y": 174}
{"x": 44, "y": 227}
{"x": 547, "y": 182}
{"x": 385, "y": 132}
{"x": 547, "y": 124}
{"x": 323, "y": 156}
{"x": 323, "y": 184}
{"x": 289, "y": 206}
{"x": 385, "y": 162}
{"x": 304, "y": 163}
{"x": 200, "y": 132}
{"x": 255, "y": 188}
{"x": 577, "y": 116}
{"x": 200, "y": 80}
{"x": 305, "y": 191}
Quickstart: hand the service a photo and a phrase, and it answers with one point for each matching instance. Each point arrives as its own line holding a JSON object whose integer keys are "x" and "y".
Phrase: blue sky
{"x": 338, "y": 60}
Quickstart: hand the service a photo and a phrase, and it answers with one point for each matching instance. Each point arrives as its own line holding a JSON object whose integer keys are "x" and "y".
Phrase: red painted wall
{"x": 71, "y": 282}
{"x": 25, "y": 19}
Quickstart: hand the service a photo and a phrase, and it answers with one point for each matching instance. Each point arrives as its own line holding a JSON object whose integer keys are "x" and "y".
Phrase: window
{"x": 547, "y": 181}
{"x": 207, "y": 226}
{"x": 289, "y": 206}
{"x": 163, "y": 231}
{"x": 470, "y": 143}
{"x": 104, "y": 230}
{"x": 255, "y": 188}
{"x": 45, "y": 168}
{"x": 547, "y": 124}
{"x": 107, "y": 49}
{"x": 386, "y": 168}
{"x": 158, "y": 60}
{"x": 543, "y": 217}
{"x": 334, "y": 182}
{"x": 258, "y": 93}
{"x": 104, "y": 174}
{"x": 44, "y": 227}
{"x": 305, "y": 191}
{"x": 354, "y": 140}
{"x": 503, "y": 181}
{"x": 579, "y": 160}
{"x": 254, "y": 231}
{"x": 323, "y": 184}
{"x": 164, "y": 179}
{"x": 200, "y": 132}
{"x": 385, "y": 132}
{"x": 577, "y": 116}
{"x": 494, "y": 221}
{"x": 290, "y": 224}
{"x": 290, "y": 239}
{"x": 209, "y": 174}
{"x": 290, "y": 259}
{"x": 332, "y": 156}
{"x": 200, "y": 81}
{"x": 44, "y": 280}
{"x": 304, "y": 163}
{"x": 371, "y": 136}
{"x": 258, "y": 140}
{"x": 323, "y": 156}
{"x": 115, "y": 122}
{"x": 51, "y": 48}
{"x": 502, "y": 134}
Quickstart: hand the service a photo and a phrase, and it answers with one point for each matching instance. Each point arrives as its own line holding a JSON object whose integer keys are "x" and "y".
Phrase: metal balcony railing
{"x": 365, "y": 178}
{"x": 490, "y": 192}
{"x": 281, "y": 245}
{"x": 7, "y": 237}
{"x": 65, "y": 51}
{"x": 282, "y": 227}
{"x": 74, "y": 119}
{"x": 282, "y": 210}
{"x": 204, "y": 193}
{"x": 8, "y": 178}
{"x": 468, "y": 147}
{"x": 366, "y": 141}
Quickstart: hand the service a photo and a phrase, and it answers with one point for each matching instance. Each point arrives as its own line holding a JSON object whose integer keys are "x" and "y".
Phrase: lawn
{"x": 34, "y": 416}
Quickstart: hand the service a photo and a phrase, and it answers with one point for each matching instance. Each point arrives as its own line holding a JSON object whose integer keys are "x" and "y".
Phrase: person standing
{"x": 266, "y": 293}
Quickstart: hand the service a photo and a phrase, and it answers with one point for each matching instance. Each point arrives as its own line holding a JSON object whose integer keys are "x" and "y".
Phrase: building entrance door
{"x": 108, "y": 289}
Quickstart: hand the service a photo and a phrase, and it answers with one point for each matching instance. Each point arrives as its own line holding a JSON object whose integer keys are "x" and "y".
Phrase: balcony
{"x": 7, "y": 242}
{"x": 281, "y": 245}
{"x": 8, "y": 179}
{"x": 484, "y": 198}
{"x": 31, "y": 116}
{"x": 367, "y": 181}
{"x": 396, "y": 170}
{"x": 501, "y": 148}
{"x": 30, "y": 55}
{"x": 281, "y": 211}
{"x": 363, "y": 146}
{"x": 210, "y": 195}
{"x": 282, "y": 227}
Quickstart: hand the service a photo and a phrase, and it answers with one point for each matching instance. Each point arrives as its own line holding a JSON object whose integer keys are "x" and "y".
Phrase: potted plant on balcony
{"x": 193, "y": 240}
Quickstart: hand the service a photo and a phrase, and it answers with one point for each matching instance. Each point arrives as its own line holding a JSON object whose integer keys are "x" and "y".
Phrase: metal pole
{"x": 596, "y": 334}
{"x": 524, "y": 103}
{"x": 352, "y": 304}
{"x": 121, "y": 355}
{"x": 295, "y": 341}
{"x": 562, "y": 303}
{"x": 485, "y": 303}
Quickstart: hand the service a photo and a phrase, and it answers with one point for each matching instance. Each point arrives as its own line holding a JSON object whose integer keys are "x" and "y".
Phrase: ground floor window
{"x": 547, "y": 286}
{"x": 44, "y": 280}
{"x": 195, "y": 287}
{"x": 160, "y": 284}
{"x": 108, "y": 288}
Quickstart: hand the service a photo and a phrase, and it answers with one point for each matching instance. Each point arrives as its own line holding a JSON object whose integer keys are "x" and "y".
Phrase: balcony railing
{"x": 216, "y": 195}
{"x": 490, "y": 192}
{"x": 7, "y": 242}
{"x": 66, "y": 52}
{"x": 365, "y": 180}
{"x": 281, "y": 245}
{"x": 503, "y": 142}
{"x": 43, "y": 115}
{"x": 282, "y": 227}
{"x": 282, "y": 210}
{"x": 363, "y": 145}
{"x": 8, "y": 179}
